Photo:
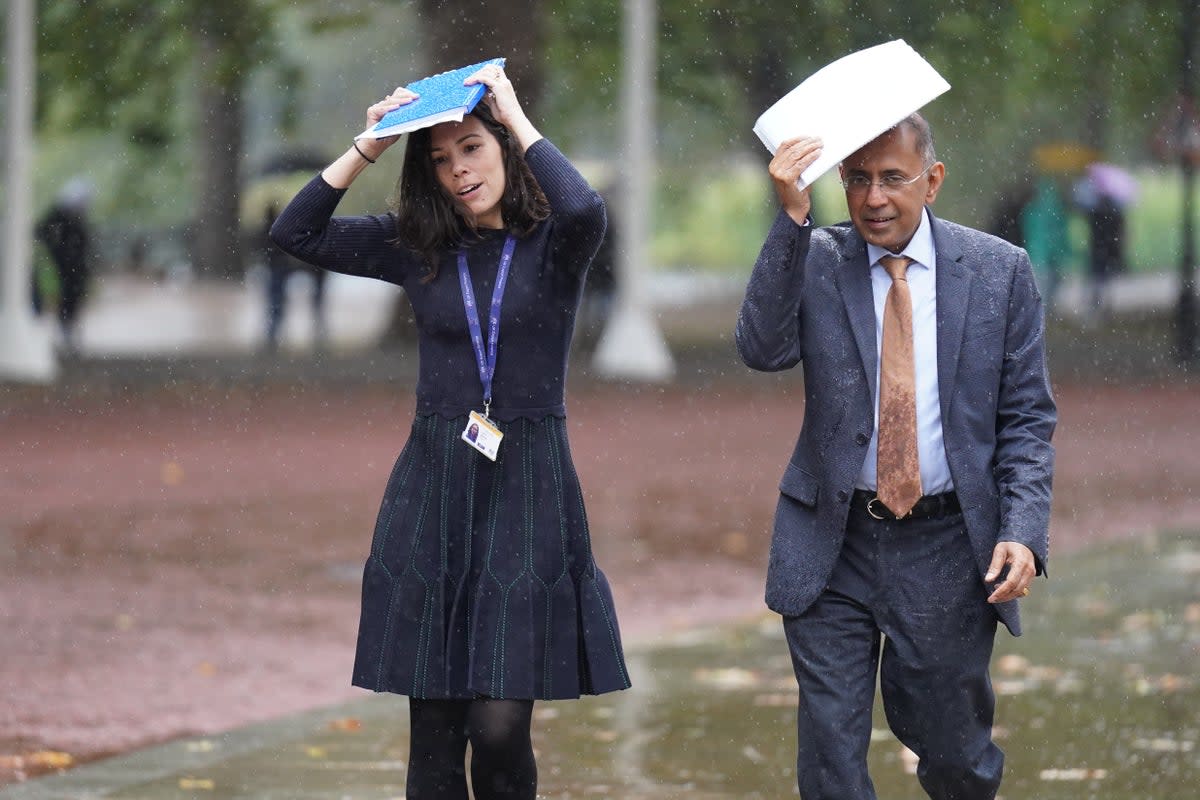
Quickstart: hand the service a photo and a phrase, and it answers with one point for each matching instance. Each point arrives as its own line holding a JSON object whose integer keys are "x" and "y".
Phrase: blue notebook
{"x": 443, "y": 98}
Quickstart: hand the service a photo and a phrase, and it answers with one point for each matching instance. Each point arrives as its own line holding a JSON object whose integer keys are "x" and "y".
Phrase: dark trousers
{"x": 906, "y": 602}
{"x": 277, "y": 280}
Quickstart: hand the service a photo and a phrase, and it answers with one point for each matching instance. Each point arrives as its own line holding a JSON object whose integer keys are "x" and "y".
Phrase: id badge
{"x": 482, "y": 434}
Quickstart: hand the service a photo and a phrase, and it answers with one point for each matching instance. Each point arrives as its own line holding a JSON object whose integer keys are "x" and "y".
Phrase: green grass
{"x": 716, "y": 220}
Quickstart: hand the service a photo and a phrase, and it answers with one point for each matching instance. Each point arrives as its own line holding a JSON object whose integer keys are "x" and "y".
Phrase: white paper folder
{"x": 850, "y": 102}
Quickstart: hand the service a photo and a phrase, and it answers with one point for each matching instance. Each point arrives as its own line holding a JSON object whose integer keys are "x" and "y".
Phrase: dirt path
{"x": 185, "y": 561}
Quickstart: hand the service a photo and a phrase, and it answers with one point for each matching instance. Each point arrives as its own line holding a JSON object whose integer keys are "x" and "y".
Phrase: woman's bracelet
{"x": 366, "y": 157}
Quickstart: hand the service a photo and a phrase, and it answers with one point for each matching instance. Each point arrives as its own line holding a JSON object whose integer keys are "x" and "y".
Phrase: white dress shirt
{"x": 922, "y": 283}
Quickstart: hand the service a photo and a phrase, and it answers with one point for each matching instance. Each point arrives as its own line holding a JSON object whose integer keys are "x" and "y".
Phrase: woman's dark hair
{"x": 428, "y": 220}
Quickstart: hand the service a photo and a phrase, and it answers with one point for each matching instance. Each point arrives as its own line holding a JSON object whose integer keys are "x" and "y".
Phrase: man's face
{"x": 889, "y": 217}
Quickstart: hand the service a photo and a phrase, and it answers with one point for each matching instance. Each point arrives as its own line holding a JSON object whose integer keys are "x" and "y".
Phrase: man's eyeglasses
{"x": 890, "y": 184}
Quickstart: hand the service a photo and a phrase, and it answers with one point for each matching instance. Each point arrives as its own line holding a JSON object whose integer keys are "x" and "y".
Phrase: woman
{"x": 480, "y": 594}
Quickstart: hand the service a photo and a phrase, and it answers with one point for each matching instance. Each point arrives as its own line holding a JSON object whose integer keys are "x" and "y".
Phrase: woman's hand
{"x": 791, "y": 159}
{"x": 501, "y": 100}
{"x": 342, "y": 172}
{"x": 400, "y": 97}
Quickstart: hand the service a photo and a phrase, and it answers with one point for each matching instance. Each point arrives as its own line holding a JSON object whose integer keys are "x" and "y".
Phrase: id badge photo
{"x": 482, "y": 434}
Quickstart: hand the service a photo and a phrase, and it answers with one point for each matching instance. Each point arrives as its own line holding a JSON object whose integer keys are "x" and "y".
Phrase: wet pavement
{"x": 1098, "y": 700}
{"x": 127, "y": 315}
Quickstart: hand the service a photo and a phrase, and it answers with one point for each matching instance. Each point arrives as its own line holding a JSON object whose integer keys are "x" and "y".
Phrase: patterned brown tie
{"x": 898, "y": 472}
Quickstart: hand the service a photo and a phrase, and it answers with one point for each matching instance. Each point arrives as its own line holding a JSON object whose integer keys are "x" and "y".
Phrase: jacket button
{"x": 843, "y": 495}
{"x": 862, "y": 438}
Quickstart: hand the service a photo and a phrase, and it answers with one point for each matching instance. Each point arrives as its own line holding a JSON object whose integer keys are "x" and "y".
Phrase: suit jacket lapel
{"x": 854, "y": 283}
{"x": 953, "y": 297}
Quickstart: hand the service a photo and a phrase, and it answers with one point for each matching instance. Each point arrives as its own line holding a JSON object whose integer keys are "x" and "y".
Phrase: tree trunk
{"x": 459, "y": 33}
{"x": 216, "y": 230}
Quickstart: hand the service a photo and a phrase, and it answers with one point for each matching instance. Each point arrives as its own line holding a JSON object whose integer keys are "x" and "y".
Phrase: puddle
{"x": 1099, "y": 699}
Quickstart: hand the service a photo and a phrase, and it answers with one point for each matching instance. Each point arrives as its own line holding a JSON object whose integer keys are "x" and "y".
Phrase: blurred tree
{"x": 228, "y": 40}
{"x": 1024, "y": 73}
{"x": 458, "y": 33}
{"x": 126, "y": 66}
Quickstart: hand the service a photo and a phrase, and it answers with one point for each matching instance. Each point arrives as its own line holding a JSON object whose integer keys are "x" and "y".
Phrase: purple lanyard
{"x": 487, "y": 365}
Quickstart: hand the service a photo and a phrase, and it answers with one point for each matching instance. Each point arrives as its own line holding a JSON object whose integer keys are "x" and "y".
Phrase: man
{"x": 914, "y": 511}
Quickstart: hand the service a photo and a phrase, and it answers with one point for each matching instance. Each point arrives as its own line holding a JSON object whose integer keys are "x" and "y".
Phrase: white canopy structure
{"x": 632, "y": 346}
{"x": 25, "y": 349}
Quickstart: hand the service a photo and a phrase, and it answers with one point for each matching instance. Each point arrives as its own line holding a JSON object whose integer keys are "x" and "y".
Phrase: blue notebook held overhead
{"x": 443, "y": 98}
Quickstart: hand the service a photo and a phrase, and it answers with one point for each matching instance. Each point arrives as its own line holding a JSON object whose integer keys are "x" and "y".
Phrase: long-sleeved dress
{"x": 481, "y": 580}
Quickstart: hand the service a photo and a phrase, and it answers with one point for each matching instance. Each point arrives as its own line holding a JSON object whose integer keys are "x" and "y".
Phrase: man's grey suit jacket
{"x": 809, "y": 301}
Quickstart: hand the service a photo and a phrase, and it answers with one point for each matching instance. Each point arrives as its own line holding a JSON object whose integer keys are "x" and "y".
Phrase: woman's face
{"x": 469, "y": 165}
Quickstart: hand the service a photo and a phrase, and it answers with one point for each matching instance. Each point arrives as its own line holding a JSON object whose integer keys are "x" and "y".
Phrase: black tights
{"x": 502, "y": 764}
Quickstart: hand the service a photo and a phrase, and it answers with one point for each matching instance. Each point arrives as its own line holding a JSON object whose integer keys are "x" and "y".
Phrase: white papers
{"x": 850, "y": 102}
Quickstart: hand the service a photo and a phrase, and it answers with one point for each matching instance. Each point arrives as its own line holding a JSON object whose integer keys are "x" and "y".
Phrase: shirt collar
{"x": 920, "y": 249}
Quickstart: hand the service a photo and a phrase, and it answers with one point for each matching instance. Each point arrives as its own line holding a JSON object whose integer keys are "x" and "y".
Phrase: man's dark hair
{"x": 429, "y": 221}
{"x": 920, "y": 126}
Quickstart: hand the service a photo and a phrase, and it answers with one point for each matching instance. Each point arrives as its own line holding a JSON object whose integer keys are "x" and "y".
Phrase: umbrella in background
{"x": 287, "y": 161}
{"x": 1109, "y": 180}
{"x": 1067, "y": 158}
{"x": 276, "y": 182}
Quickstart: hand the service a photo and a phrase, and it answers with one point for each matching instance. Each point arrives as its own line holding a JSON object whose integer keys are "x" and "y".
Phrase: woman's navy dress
{"x": 481, "y": 580}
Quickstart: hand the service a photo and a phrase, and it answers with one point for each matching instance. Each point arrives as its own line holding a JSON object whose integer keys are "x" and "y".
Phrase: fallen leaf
{"x": 728, "y": 678}
{"x": 1012, "y": 664}
{"x": 735, "y": 543}
{"x": 1073, "y": 774}
{"x": 1171, "y": 683}
{"x": 197, "y": 783}
{"x": 172, "y": 473}
{"x": 1070, "y": 684}
{"x": 753, "y": 755}
{"x": 1165, "y": 745}
{"x": 50, "y": 759}
{"x": 1010, "y": 688}
{"x": 1141, "y": 621}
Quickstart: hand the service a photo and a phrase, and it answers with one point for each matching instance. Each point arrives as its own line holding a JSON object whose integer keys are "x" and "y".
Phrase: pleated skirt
{"x": 481, "y": 580}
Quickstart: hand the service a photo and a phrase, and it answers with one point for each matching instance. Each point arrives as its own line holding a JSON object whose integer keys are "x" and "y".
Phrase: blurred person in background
{"x": 1106, "y": 226}
{"x": 481, "y": 594}
{"x": 66, "y": 234}
{"x": 1103, "y": 193}
{"x": 280, "y": 269}
{"x": 1044, "y": 231}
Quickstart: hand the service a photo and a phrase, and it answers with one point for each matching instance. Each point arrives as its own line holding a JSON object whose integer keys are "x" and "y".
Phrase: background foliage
{"x": 126, "y": 95}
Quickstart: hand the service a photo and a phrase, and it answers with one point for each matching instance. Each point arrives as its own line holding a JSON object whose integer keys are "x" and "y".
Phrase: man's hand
{"x": 791, "y": 159}
{"x": 1022, "y": 569}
